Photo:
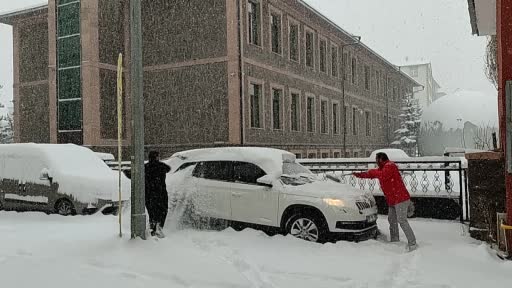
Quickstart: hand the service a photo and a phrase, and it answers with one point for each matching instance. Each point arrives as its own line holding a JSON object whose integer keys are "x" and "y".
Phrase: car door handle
{"x": 237, "y": 195}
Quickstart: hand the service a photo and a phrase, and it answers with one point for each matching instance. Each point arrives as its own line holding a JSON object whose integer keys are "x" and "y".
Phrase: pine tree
{"x": 406, "y": 138}
{"x": 6, "y": 126}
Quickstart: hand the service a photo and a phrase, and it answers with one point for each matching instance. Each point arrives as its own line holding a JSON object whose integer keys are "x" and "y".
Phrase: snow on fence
{"x": 425, "y": 177}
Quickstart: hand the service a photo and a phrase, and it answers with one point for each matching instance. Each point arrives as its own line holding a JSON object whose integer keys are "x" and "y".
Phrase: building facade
{"x": 422, "y": 73}
{"x": 216, "y": 73}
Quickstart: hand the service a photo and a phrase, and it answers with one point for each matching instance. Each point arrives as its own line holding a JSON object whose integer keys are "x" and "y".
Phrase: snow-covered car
{"x": 393, "y": 154}
{"x": 268, "y": 188}
{"x": 55, "y": 178}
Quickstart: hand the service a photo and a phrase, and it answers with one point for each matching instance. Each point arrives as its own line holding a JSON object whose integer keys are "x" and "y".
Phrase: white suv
{"x": 267, "y": 187}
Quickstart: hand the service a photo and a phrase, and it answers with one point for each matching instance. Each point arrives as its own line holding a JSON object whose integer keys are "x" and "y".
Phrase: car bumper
{"x": 370, "y": 232}
{"x": 106, "y": 208}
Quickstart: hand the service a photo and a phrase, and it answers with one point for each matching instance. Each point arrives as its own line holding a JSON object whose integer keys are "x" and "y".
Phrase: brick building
{"x": 218, "y": 72}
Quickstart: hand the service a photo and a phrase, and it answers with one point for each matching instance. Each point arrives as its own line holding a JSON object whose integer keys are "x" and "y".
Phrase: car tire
{"x": 309, "y": 227}
{"x": 64, "y": 207}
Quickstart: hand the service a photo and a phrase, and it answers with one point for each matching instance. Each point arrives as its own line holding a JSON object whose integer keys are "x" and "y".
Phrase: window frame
{"x": 355, "y": 130}
{"x": 313, "y": 111}
{"x": 307, "y": 31}
{"x": 292, "y": 21}
{"x": 325, "y": 117}
{"x": 326, "y": 56}
{"x": 272, "y": 11}
{"x": 299, "y": 118}
{"x": 261, "y": 83}
{"x": 260, "y": 24}
{"x": 368, "y": 120}
{"x": 234, "y": 170}
{"x": 281, "y": 108}
{"x": 337, "y": 119}
{"x": 367, "y": 78}
{"x": 353, "y": 70}
{"x": 335, "y": 71}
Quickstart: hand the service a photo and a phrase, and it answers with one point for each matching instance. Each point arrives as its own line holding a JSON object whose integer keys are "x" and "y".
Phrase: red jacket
{"x": 390, "y": 181}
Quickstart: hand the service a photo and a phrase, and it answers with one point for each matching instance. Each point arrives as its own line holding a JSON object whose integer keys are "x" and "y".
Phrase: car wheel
{"x": 307, "y": 227}
{"x": 64, "y": 207}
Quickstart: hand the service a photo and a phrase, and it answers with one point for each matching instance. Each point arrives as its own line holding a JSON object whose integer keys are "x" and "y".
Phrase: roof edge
{"x": 391, "y": 65}
{"x": 6, "y": 18}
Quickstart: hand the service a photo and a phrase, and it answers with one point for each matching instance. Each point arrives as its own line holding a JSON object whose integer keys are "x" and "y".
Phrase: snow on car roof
{"x": 269, "y": 159}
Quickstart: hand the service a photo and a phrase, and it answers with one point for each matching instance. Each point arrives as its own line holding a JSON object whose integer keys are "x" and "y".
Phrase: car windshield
{"x": 296, "y": 174}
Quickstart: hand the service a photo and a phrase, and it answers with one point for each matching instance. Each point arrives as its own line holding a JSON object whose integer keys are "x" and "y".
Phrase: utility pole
{"x": 138, "y": 215}
{"x": 343, "y": 79}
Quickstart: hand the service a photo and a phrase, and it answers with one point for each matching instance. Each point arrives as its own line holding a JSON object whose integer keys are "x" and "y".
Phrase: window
{"x": 247, "y": 173}
{"x": 294, "y": 41}
{"x": 356, "y": 154}
{"x": 345, "y": 64}
{"x": 310, "y": 49}
{"x": 414, "y": 71}
{"x": 368, "y": 153}
{"x": 323, "y": 56}
{"x": 323, "y": 117}
{"x": 337, "y": 155}
{"x": 255, "y": 94}
{"x": 354, "y": 70}
{"x": 334, "y": 61}
{"x": 312, "y": 155}
{"x": 276, "y": 109}
{"x": 345, "y": 119}
{"x": 354, "y": 121}
{"x": 395, "y": 93}
{"x": 254, "y": 22}
{"x": 367, "y": 77}
{"x": 214, "y": 170}
{"x": 347, "y": 154}
{"x": 335, "y": 118}
{"x": 325, "y": 155}
{"x": 368, "y": 122}
{"x": 295, "y": 112}
{"x": 378, "y": 79}
{"x": 298, "y": 155}
{"x": 311, "y": 114}
{"x": 275, "y": 32}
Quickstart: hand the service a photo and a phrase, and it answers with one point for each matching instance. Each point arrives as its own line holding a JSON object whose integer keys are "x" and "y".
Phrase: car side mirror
{"x": 265, "y": 181}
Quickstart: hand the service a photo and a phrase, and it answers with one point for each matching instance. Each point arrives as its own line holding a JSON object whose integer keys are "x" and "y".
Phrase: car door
{"x": 252, "y": 202}
{"x": 213, "y": 198}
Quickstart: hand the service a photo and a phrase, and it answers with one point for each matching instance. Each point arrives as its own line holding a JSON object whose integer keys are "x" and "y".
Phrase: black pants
{"x": 157, "y": 216}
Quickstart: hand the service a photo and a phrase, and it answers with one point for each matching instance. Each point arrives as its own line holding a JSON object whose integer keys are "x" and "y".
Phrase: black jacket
{"x": 156, "y": 191}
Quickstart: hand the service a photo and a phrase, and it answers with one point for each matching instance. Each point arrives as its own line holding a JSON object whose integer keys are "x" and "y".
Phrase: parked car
{"x": 393, "y": 154}
{"x": 64, "y": 179}
{"x": 268, "y": 188}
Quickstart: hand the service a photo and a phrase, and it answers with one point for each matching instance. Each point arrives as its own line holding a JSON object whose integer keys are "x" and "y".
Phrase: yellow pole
{"x": 120, "y": 132}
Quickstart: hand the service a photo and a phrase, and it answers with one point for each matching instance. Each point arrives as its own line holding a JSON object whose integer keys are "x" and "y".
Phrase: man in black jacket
{"x": 156, "y": 193}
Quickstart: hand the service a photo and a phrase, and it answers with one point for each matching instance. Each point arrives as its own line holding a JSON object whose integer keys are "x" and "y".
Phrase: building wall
{"x": 186, "y": 72}
{"x": 265, "y": 67}
{"x": 31, "y": 92}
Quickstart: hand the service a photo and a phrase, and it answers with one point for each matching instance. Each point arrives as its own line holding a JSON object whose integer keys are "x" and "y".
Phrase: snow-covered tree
{"x": 6, "y": 124}
{"x": 406, "y": 138}
{"x": 6, "y": 129}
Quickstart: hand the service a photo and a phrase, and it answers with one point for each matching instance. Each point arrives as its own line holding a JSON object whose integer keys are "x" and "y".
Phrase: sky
{"x": 436, "y": 31}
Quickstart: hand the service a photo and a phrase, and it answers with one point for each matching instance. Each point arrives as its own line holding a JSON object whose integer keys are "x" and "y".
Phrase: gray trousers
{"x": 398, "y": 215}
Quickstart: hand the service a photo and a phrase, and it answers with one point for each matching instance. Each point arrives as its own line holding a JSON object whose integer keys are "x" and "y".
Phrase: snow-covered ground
{"x": 37, "y": 250}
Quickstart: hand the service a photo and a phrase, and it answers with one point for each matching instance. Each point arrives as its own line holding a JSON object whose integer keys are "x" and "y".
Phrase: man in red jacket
{"x": 397, "y": 197}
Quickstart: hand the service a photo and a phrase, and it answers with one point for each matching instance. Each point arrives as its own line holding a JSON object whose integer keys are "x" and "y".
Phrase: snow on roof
{"x": 270, "y": 160}
{"x": 77, "y": 170}
{"x": 453, "y": 110}
{"x": 413, "y": 63}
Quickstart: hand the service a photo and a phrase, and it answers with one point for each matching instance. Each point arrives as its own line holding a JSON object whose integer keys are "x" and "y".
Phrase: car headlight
{"x": 334, "y": 202}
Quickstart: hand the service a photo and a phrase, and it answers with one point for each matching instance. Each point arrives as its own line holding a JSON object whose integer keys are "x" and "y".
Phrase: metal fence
{"x": 428, "y": 177}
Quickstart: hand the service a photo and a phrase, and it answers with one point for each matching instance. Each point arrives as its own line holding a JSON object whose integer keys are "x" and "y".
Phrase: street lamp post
{"x": 138, "y": 207}
{"x": 343, "y": 79}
